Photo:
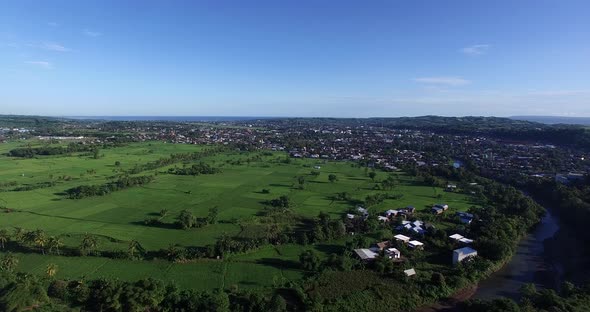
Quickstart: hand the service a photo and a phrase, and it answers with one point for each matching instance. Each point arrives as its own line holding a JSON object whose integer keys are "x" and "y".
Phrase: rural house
{"x": 463, "y": 253}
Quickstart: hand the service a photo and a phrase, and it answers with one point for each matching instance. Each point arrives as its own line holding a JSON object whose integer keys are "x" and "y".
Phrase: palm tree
{"x": 40, "y": 240}
{"x": 19, "y": 234}
{"x": 89, "y": 243}
{"x": 51, "y": 270}
{"x": 4, "y": 237}
{"x": 8, "y": 263}
{"x": 134, "y": 247}
{"x": 54, "y": 243}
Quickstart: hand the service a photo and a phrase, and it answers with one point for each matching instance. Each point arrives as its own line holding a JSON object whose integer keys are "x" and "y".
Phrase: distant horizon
{"x": 278, "y": 116}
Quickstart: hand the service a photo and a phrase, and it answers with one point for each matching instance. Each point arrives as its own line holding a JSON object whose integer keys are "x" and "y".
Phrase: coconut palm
{"x": 4, "y": 237}
{"x": 51, "y": 269}
{"x": 19, "y": 234}
{"x": 134, "y": 248}
{"x": 54, "y": 243}
{"x": 89, "y": 243}
{"x": 39, "y": 239}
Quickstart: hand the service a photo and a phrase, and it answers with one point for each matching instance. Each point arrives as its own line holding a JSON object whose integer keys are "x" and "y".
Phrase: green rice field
{"x": 117, "y": 218}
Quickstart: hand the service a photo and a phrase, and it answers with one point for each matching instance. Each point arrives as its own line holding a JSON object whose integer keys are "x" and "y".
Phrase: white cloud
{"x": 41, "y": 64}
{"x": 443, "y": 81}
{"x": 91, "y": 33}
{"x": 476, "y": 49}
{"x": 52, "y": 46}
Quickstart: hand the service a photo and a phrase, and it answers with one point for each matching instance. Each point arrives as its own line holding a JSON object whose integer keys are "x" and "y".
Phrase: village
{"x": 409, "y": 234}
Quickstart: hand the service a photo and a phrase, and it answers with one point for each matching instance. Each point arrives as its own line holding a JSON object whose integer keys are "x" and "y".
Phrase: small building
{"x": 366, "y": 254}
{"x": 415, "y": 244}
{"x": 391, "y": 212}
{"x": 382, "y": 245}
{"x": 382, "y": 218}
{"x": 437, "y": 210}
{"x": 461, "y": 239}
{"x": 442, "y": 206}
{"x": 410, "y": 272}
{"x": 411, "y": 209}
{"x": 402, "y": 238}
{"x": 463, "y": 253}
{"x": 350, "y": 216}
{"x": 362, "y": 210}
{"x": 393, "y": 253}
{"x": 465, "y": 217}
{"x": 456, "y": 237}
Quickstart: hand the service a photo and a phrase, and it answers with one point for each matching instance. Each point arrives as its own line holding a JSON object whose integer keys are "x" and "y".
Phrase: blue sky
{"x": 295, "y": 58}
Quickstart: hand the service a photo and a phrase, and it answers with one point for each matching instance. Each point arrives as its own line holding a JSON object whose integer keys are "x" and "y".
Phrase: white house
{"x": 382, "y": 218}
{"x": 410, "y": 272}
{"x": 350, "y": 216}
{"x": 461, "y": 239}
{"x": 402, "y": 238}
{"x": 393, "y": 253}
{"x": 415, "y": 244}
{"x": 463, "y": 253}
{"x": 456, "y": 237}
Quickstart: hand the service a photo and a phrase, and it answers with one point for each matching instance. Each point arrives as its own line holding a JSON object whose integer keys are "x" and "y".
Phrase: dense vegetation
{"x": 196, "y": 169}
{"x": 107, "y": 188}
{"x": 28, "y": 152}
{"x": 570, "y": 298}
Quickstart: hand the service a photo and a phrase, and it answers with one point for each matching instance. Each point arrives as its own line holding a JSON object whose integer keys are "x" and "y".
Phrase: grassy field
{"x": 237, "y": 191}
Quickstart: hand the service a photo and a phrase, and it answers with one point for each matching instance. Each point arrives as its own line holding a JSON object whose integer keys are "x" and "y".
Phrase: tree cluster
{"x": 124, "y": 182}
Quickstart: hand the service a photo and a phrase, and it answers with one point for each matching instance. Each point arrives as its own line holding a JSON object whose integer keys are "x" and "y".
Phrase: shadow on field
{"x": 320, "y": 182}
{"x": 356, "y": 179}
{"x": 162, "y": 225}
{"x": 279, "y": 263}
{"x": 280, "y": 185}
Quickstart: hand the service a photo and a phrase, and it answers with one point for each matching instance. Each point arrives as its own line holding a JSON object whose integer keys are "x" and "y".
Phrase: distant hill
{"x": 552, "y": 120}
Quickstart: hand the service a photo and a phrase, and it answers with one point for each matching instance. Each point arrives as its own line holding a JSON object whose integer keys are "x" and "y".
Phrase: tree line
{"x": 175, "y": 158}
{"x": 196, "y": 169}
{"x": 29, "y": 152}
{"x": 124, "y": 182}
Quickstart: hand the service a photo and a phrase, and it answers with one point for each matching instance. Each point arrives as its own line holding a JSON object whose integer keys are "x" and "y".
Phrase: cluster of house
{"x": 361, "y": 211}
{"x": 416, "y": 227}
